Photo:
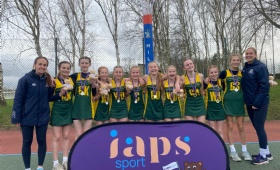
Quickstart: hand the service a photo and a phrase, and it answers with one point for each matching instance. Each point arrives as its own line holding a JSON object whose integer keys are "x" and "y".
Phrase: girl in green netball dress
{"x": 136, "y": 102}
{"x": 234, "y": 106}
{"x": 193, "y": 85}
{"x": 171, "y": 106}
{"x": 213, "y": 99}
{"x": 153, "y": 100}
{"x": 61, "y": 118}
{"x": 118, "y": 107}
{"x": 102, "y": 97}
{"x": 83, "y": 105}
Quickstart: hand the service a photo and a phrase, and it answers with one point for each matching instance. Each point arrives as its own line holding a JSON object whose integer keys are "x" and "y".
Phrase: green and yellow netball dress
{"x": 102, "y": 108}
{"x": 154, "y": 106}
{"x": 136, "y": 105}
{"x": 118, "y": 106}
{"x": 171, "y": 106}
{"x": 233, "y": 98}
{"x": 194, "y": 105}
{"x": 61, "y": 109}
{"x": 213, "y": 100}
{"x": 82, "y": 107}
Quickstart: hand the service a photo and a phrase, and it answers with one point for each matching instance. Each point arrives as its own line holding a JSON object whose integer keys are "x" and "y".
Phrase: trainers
{"x": 64, "y": 164}
{"x": 58, "y": 167}
{"x": 235, "y": 156}
{"x": 40, "y": 168}
{"x": 259, "y": 160}
{"x": 246, "y": 156}
{"x": 269, "y": 157}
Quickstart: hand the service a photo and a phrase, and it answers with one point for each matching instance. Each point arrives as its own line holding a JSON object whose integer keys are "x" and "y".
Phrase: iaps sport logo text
{"x": 136, "y": 151}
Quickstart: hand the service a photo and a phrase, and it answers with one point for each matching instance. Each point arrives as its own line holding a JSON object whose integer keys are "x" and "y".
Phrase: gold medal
{"x": 195, "y": 95}
{"x": 155, "y": 96}
{"x": 135, "y": 101}
{"x": 236, "y": 89}
{"x": 118, "y": 100}
{"x": 217, "y": 101}
{"x": 82, "y": 93}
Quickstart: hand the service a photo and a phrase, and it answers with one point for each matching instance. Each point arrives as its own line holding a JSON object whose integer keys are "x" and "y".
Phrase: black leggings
{"x": 27, "y": 135}
{"x": 258, "y": 117}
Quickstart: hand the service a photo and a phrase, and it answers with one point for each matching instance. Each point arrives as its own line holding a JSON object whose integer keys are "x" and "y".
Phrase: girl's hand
{"x": 206, "y": 80}
{"x": 96, "y": 97}
{"x": 63, "y": 91}
{"x": 52, "y": 82}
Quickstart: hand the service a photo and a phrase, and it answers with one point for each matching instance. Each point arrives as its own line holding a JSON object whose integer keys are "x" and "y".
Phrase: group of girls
{"x": 154, "y": 97}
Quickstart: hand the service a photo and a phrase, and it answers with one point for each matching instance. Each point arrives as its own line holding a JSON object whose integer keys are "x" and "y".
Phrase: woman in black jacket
{"x": 31, "y": 109}
{"x": 255, "y": 87}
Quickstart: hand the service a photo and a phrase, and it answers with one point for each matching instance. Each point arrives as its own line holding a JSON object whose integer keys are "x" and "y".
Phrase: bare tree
{"x": 111, "y": 11}
{"x": 270, "y": 10}
{"x": 2, "y": 99}
{"x": 24, "y": 15}
{"x": 70, "y": 29}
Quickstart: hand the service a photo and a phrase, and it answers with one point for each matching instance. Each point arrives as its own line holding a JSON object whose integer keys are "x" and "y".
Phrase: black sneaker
{"x": 268, "y": 156}
{"x": 259, "y": 160}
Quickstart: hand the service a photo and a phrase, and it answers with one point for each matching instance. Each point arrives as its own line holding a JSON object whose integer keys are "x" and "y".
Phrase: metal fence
{"x": 18, "y": 56}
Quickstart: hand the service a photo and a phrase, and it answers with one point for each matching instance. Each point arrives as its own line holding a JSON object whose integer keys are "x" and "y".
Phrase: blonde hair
{"x": 99, "y": 71}
{"x": 233, "y": 55}
{"x": 117, "y": 67}
{"x": 170, "y": 66}
{"x": 252, "y": 48}
{"x": 134, "y": 67}
{"x": 152, "y": 62}
{"x": 210, "y": 67}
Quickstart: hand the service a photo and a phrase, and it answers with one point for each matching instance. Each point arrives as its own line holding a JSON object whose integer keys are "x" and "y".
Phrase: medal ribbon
{"x": 136, "y": 89}
{"x": 235, "y": 78}
{"x": 194, "y": 84}
{"x": 216, "y": 89}
{"x": 83, "y": 82}
{"x": 118, "y": 89}
{"x": 61, "y": 80}
{"x": 154, "y": 87}
{"x": 171, "y": 90}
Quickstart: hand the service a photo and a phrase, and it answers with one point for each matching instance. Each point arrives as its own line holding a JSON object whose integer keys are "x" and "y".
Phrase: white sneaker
{"x": 64, "y": 164}
{"x": 58, "y": 167}
{"x": 246, "y": 155}
{"x": 235, "y": 156}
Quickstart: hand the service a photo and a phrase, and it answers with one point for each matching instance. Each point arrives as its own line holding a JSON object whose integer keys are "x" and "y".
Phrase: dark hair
{"x": 48, "y": 76}
{"x": 41, "y": 57}
{"x": 85, "y": 57}
{"x": 63, "y": 62}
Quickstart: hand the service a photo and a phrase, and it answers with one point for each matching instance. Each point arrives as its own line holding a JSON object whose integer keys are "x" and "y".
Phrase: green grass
{"x": 273, "y": 110}
{"x": 274, "y": 106}
{"x": 5, "y": 113}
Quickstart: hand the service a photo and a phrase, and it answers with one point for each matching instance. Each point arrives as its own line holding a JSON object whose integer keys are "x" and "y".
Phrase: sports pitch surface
{"x": 11, "y": 140}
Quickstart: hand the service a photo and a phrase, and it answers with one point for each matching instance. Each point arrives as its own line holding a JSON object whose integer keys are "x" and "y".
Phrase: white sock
{"x": 55, "y": 163}
{"x": 267, "y": 150}
{"x": 28, "y": 169}
{"x": 65, "y": 159}
{"x": 263, "y": 152}
{"x": 232, "y": 148}
{"x": 244, "y": 148}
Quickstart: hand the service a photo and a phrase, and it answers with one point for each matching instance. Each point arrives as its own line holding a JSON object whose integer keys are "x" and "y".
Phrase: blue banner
{"x": 148, "y": 45}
